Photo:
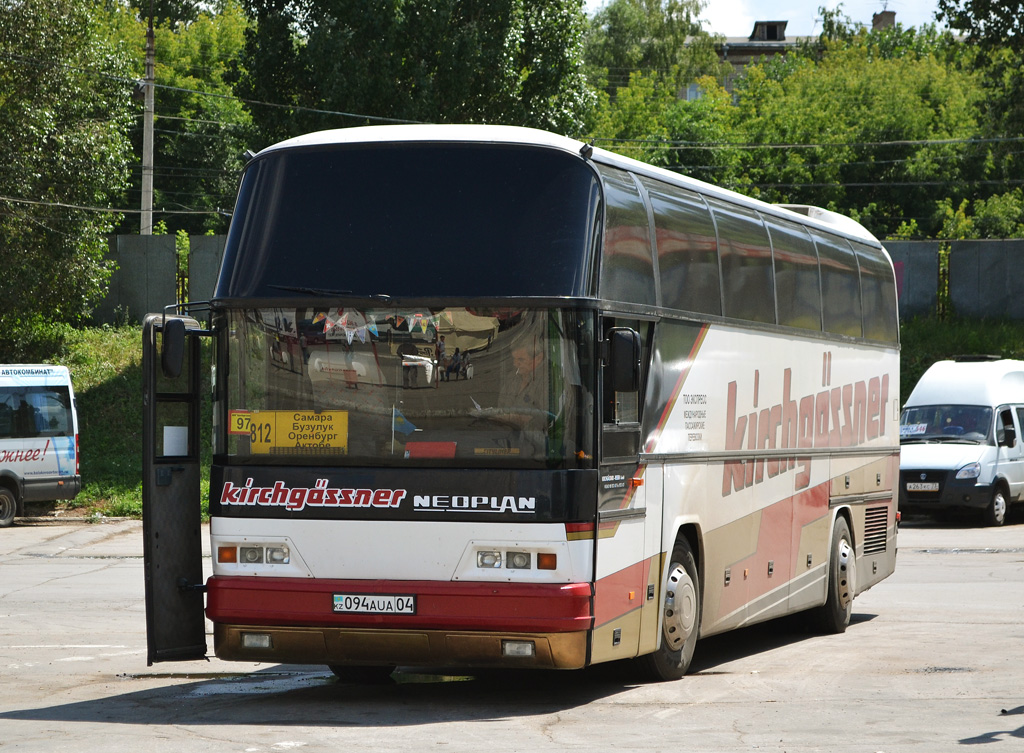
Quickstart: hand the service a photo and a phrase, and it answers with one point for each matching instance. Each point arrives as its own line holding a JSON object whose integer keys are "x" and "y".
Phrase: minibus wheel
{"x": 995, "y": 513}
{"x": 8, "y": 507}
{"x": 680, "y": 618}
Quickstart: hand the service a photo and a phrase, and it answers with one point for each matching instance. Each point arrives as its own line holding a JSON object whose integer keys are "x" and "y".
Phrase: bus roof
{"x": 516, "y": 135}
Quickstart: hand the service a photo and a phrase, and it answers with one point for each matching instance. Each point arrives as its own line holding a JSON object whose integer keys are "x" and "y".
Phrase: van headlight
{"x": 971, "y": 470}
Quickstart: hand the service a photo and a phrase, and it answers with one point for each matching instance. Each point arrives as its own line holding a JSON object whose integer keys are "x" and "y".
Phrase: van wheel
{"x": 680, "y": 619}
{"x": 995, "y": 513}
{"x": 834, "y": 615}
{"x": 8, "y": 507}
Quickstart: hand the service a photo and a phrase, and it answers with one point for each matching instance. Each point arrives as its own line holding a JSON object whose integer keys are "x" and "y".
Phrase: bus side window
{"x": 748, "y": 278}
{"x": 627, "y": 265}
{"x": 878, "y": 294}
{"x": 687, "y": 249}
{"x": 840, "y": 285}
{"x": 798, "y": 285}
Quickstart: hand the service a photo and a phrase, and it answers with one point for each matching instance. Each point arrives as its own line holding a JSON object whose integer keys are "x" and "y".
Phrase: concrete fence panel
{"x": 144, "y": 279}
{"x": 917, "y": 276}
{"x": 984, "y": 278}
{"x": 205, "y": 252}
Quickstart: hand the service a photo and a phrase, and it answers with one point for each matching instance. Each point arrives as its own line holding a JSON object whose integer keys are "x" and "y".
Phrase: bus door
{"x": 625, "y": 575}
{"x": 171, "y": 513}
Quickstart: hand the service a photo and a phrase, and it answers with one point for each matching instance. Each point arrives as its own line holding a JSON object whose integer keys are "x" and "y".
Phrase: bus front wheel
{"x": 680, "y": 618}
{"x": 8, "y": 507}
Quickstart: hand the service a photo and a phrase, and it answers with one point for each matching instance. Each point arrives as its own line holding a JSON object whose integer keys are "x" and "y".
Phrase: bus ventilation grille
{"x": 875, "y": 523}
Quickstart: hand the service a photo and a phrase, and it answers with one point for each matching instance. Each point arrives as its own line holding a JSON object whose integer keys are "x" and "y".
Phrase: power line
{"x": 677, "y": 145}
{"x": 111, "y": 210}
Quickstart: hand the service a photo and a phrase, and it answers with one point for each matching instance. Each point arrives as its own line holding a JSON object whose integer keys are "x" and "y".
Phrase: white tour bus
{"x": 681, "y": 415}
{"x": 38, "y": 437}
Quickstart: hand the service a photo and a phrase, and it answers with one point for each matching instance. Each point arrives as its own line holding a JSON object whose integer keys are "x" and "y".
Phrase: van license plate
{"x": 926, "y": 486}
{"x": 375, "y": 603}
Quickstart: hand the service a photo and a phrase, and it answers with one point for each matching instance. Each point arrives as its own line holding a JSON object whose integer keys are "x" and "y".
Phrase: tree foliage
{"x": 202, "y": 129}
{"x": 64, "y": 115}
{"x": 655, "y": 37}
{"x": 991, "y": 24}
{"x": 878, "y": 127}
{"x": 462, "y": 61}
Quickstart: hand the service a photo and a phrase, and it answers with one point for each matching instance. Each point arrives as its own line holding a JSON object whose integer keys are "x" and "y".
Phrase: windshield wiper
{"x": 321, "y": 292}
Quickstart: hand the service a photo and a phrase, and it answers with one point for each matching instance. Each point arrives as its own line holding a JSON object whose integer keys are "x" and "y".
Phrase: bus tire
{"x": 680, "y": 618}
{"x": 995, "y": 513}
{"x": 8, "y": 507}
{"x": 834, "y": 615}
{"x": 363, "y": 675}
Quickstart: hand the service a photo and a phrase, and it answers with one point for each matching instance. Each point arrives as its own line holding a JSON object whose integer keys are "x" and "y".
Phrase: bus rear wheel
{"x": 363, "y": 675}
{"x": 680, "y": 618}
{"x": 834, "y": 615}
{"x": 8, "y": 507}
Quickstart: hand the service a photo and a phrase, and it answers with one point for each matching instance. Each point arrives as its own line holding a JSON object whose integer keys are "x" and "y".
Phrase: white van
{"x": 960, "y": 438}
{"x": 38, "y": 437}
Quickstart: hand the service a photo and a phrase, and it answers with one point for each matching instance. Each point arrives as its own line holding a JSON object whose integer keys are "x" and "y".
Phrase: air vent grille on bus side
{"x": 875, "y": 520}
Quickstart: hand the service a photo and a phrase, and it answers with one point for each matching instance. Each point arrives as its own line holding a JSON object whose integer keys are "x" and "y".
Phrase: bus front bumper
{"x": 361, "y": 647}
{"x": 481, "y": 624}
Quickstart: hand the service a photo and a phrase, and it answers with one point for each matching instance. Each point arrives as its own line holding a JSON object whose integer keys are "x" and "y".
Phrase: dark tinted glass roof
{"x": 413, "y": 220}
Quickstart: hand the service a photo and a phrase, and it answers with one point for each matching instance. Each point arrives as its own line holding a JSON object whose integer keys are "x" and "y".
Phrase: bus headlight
{"x": 254, "y": 554}
{"x": 277, "y": 555}
{"x": 488, "y": 559}
{"x": 518, "y": 560}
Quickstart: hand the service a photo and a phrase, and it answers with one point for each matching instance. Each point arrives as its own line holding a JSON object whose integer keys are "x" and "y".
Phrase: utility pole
{"x": 146, "y": 222}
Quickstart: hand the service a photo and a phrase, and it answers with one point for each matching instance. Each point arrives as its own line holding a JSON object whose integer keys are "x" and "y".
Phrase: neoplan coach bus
{"x": 487, "y": 396}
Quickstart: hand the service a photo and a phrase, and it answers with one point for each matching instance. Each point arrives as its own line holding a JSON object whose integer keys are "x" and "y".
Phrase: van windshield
{"x": 946, "y": 423}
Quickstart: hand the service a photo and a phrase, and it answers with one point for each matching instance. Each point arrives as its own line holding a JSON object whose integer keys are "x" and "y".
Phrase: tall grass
{"x": 106, "y": 370}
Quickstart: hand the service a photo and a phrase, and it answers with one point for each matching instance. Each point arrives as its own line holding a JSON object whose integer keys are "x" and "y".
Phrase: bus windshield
{"x": 427, "y": 221}
{"x": 387, "y": 386}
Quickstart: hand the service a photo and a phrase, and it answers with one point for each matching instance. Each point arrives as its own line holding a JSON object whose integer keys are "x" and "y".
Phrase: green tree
{"x": 996, "y": 29}
{"x": 201, "y": 129}
{"x": 64, "y": 153}
{"x": 879, "y": 129}
{"x": 337, "y": 63}
{"x": 991, "y": 24}
{"x": 655, "y": 37}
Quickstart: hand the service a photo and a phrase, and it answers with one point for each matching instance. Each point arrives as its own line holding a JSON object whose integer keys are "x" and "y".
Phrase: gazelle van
{"x": 39, "y": 454}
{"x": 960, "y": 438}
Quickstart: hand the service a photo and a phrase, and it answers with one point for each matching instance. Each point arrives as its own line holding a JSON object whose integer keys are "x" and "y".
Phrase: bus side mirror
{"x": 622, "y": 361}
{"x": 172, "y": 352}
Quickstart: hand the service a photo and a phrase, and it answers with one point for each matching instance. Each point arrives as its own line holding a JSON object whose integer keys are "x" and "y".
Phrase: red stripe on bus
{"x": 506, "y": 607}
{"x": 780, "y": 523}
{"x": 611, "y": 598}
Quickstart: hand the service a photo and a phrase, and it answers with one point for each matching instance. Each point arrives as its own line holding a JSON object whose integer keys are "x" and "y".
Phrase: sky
{"x": 735, "y": 18}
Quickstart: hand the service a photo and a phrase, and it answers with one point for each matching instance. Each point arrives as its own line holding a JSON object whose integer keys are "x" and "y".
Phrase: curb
{"x": 60, "y": 520}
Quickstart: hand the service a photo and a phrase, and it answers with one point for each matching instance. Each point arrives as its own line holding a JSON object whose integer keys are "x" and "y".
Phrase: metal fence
{"x": 975, "y": 278}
